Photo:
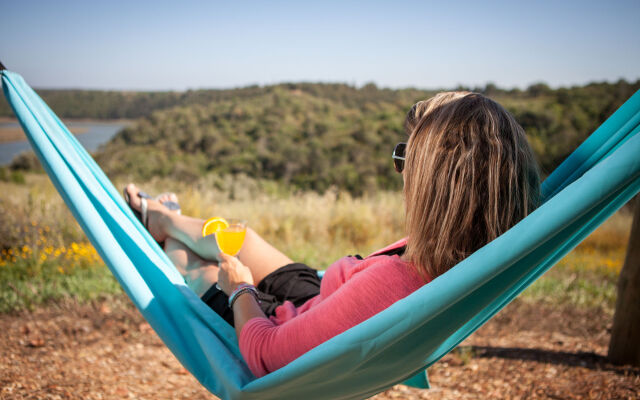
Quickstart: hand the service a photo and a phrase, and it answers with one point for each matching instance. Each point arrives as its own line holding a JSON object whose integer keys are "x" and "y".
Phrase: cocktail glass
{"x": 230, "y": 239}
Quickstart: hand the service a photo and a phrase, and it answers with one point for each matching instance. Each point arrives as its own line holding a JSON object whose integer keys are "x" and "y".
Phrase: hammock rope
{"x": 392, "y": 346}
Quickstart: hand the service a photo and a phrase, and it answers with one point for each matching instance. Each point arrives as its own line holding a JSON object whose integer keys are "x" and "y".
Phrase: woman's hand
{"x": 232, "y": 273}
{"x": 246, "y": 307}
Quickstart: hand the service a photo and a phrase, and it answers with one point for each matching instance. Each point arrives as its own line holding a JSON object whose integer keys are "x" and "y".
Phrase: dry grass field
{"x": 70, "y": 332}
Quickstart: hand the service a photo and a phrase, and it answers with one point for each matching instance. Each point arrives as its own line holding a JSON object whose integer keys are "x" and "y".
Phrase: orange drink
{"x": 230, "y": 239}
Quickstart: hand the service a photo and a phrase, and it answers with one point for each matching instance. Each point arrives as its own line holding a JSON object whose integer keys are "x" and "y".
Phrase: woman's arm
{"x": 244, "y": 309}
{"x": 233, "y": 273}
{"x": 267, "y": 347}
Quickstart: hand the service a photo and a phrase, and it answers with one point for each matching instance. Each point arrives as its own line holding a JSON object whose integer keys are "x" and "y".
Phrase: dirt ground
{"x": 107, "y": 351}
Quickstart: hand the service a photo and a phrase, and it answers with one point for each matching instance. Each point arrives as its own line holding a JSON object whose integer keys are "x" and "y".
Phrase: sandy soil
{"x": 107, "y": 351}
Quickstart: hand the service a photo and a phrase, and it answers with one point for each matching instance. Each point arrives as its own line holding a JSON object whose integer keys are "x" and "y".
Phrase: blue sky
{"x": 177, "y": 45}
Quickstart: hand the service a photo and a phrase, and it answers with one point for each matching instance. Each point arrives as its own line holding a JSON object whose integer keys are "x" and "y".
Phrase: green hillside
{"x": 284, "y": 134}
{"x": 312, "y": 136}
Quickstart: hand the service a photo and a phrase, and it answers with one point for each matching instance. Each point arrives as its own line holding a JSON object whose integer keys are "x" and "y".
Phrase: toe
{"x": 134, "y": 200}
{"x": 165, "y": 197}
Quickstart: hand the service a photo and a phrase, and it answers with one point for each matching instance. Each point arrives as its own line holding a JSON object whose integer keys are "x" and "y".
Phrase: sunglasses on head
{"x": 398, "y": 156}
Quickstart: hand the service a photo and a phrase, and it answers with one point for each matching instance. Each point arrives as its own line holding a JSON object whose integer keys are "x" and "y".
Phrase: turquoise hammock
{"x": 392, "y": 346}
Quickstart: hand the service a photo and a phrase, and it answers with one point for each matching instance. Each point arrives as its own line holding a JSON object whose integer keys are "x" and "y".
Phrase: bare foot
{"x": 165, "y": 197}
{"x": 156, "y": 212}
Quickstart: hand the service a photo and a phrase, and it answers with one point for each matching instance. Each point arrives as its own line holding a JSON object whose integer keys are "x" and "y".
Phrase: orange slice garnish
{"x": 213, "y": 225}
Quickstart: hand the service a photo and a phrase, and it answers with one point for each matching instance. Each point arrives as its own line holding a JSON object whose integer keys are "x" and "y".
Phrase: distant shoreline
{"x": 15, "y": 134}
{"x": 122, "y": 121}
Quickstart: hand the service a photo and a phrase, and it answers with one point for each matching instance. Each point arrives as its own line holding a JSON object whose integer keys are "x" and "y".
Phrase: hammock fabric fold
{"x": 392, "y": 346}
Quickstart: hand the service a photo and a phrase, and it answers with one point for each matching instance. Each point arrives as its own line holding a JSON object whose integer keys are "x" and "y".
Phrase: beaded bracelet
{"x": 240, "y": 286}
{"x": 241, "y": 289}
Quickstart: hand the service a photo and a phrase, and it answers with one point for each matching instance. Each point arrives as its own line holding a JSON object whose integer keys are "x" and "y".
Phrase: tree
{"x": 624, "y": 347}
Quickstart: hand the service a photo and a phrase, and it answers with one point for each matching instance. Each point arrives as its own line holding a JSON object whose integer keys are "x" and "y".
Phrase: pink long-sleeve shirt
{"x": 352, "y": 290}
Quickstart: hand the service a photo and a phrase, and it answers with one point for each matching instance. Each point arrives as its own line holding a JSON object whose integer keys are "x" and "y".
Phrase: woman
{"x": 469, "y": 175}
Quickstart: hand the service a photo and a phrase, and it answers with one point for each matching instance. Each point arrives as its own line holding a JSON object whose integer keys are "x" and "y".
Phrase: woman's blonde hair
{"x": 469, "y": 176}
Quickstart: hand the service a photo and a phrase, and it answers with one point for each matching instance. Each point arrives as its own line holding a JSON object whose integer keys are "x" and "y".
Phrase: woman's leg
{"x": 199, "y": 274}
{"x": 256, "y": 253}
{"x": 260, "y": 256}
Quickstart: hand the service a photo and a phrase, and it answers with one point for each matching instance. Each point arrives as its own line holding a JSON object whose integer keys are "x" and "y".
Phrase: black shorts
{"x": 295, "y": 282}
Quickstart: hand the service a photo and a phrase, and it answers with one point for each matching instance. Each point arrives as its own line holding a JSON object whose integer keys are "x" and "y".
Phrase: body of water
{"x": 95, "y": 134}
